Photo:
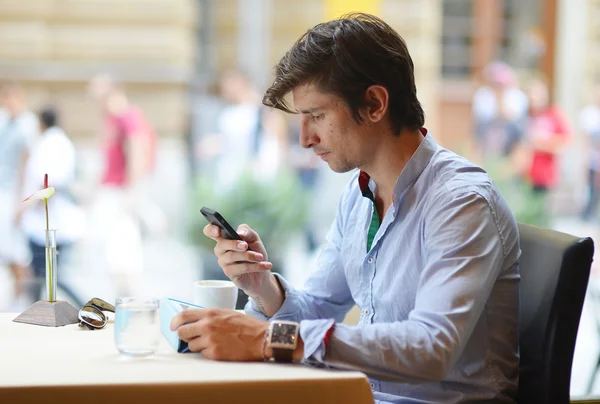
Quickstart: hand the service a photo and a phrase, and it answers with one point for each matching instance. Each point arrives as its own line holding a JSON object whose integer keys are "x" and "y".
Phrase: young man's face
{"x": 328, "y": 127}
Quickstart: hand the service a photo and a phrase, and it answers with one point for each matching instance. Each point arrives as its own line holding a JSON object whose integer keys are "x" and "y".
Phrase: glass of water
{"x": 137, "y": 329}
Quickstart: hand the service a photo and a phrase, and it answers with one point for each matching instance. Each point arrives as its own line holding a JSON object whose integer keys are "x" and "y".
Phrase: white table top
{"x": 72, "y": 356}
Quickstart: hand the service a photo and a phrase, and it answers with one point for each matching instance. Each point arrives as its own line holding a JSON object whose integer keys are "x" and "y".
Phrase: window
{"x": 457, "y": 38}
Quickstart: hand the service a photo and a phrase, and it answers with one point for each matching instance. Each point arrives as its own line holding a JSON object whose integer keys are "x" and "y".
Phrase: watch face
{"x": 284, "y": 335}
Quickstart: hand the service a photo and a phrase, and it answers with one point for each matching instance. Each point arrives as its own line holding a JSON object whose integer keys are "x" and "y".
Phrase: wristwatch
{"x": 282, "y": 338}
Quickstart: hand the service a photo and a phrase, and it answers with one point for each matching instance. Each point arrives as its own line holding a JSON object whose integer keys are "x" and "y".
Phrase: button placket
{"x": 368, "y": 311}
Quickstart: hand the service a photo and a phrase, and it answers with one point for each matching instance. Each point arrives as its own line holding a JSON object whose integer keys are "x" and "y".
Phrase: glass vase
{"x": 51, "y": 265}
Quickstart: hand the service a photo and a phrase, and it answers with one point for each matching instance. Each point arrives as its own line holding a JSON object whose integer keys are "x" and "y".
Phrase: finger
{"x": 247, "y": 233}
{"x": 198, "y": 344}
{"x": 209, "y": 346}
{"x": 188, "y": 332}
{"x": 237, "y": 257}
{"x": 239, "y": 269}
{"x": 187, "y": 316}
{"x": 204, "y": 327}
{"x": 224, "y": 246}
{"x": 212, "y": 231}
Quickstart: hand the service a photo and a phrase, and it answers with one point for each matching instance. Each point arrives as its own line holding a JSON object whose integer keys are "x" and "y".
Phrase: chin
{"x": 340, "y": 169}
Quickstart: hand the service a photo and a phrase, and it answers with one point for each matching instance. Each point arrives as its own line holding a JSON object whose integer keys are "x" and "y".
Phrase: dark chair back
{"x": 555, "y": 269}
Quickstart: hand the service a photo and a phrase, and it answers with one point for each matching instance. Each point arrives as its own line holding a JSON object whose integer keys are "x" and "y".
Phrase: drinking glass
{"x": 137, "y": 329}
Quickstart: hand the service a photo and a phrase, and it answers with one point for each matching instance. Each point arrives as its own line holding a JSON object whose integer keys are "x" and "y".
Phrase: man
{"x": 18, "y": 130}
{"x": 422, "y": 242}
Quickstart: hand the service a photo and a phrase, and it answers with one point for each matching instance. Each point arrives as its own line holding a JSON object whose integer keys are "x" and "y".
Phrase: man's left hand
{"x": 220, "y": 334}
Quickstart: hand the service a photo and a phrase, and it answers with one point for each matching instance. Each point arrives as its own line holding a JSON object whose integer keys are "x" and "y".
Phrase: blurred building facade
{"x": 451, "y": 41}
{"x": 277, "y": 24}
{"x": 478, "y": 32}
{"x": 555, "y": 39}
{"x": 156, "y": 48}
{"x": 169, "y": 52}
{"x": 53, "y": 47}
{"x": 591, "y": 45}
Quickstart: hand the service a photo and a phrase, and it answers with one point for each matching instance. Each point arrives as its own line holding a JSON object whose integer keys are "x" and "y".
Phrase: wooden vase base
{"x": 49, "y": 314}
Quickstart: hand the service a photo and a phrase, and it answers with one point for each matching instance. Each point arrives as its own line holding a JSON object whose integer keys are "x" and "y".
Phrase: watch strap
{"x": 282, "y": 354}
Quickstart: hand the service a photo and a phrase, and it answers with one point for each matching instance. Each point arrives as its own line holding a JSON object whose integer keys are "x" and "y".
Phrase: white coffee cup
{"x": 215, "y": 294}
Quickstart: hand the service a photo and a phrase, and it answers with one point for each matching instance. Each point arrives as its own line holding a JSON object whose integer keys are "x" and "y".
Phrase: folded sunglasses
{"x": 92, "y": 316}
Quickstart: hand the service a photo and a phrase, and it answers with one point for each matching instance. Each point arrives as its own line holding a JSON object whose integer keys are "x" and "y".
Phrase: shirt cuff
{"x": 251, "y": 310}
{"x": 314, "y": 334}
{"x": 289, "y": 310}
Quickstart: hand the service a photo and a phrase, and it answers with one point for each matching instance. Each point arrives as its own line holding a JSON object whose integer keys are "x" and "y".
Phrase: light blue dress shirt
{"x": 438, "y": 292}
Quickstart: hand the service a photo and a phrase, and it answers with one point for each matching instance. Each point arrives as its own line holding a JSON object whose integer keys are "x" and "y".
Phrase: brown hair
{"x": 346, "y": 56}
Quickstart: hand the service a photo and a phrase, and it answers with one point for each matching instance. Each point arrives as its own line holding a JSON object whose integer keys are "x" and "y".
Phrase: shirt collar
{"x": 415, "y": 166}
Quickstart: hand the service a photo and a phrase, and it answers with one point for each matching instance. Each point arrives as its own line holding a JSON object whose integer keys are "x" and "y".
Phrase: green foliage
{"x": 527, "y": 205}
{"x": 275, "y": 209}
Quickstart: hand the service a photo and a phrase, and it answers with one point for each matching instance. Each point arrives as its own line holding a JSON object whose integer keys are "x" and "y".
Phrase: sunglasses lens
{"x": 101, "y": 304}
{"x": 92, "y": 317}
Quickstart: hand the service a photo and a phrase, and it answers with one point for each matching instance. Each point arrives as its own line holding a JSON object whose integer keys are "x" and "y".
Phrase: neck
{"x": 390, "y": 158}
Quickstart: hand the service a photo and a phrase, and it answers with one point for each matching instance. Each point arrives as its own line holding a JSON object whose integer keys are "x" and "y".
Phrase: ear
{"x": 377, "y": 98}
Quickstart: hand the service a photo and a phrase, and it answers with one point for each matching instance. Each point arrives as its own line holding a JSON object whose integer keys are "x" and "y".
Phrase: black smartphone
{"x": 215, "y": 218}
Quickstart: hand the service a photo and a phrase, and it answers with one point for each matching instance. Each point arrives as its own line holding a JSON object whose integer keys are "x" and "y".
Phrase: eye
{"x": 317, "y": 117}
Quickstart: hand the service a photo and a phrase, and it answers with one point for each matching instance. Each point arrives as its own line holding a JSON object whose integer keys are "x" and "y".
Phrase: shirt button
{"x": 366, "y": 311}
{"x": 370, "y": 260}
{"x": 372, "y": 385}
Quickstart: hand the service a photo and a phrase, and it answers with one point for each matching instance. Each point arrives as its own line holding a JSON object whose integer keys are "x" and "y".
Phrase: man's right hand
{"x": 249, "y": 270}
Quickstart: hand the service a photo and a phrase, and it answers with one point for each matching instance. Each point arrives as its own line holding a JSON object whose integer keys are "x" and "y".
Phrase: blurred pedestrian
{"x": 53, "y": 154}
{"x": 499, "y": 112}
{"x": 548, "y": 133}
{"x": 124, "y": 205}
{"x": 250, "y": 138}
{"x": 129, "y": 140}
{"x": 589, "y": 122}
{"x": 18, "y": 130}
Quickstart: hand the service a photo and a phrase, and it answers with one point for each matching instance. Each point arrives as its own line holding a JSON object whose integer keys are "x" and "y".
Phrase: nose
{"x": 308, "y": 136}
